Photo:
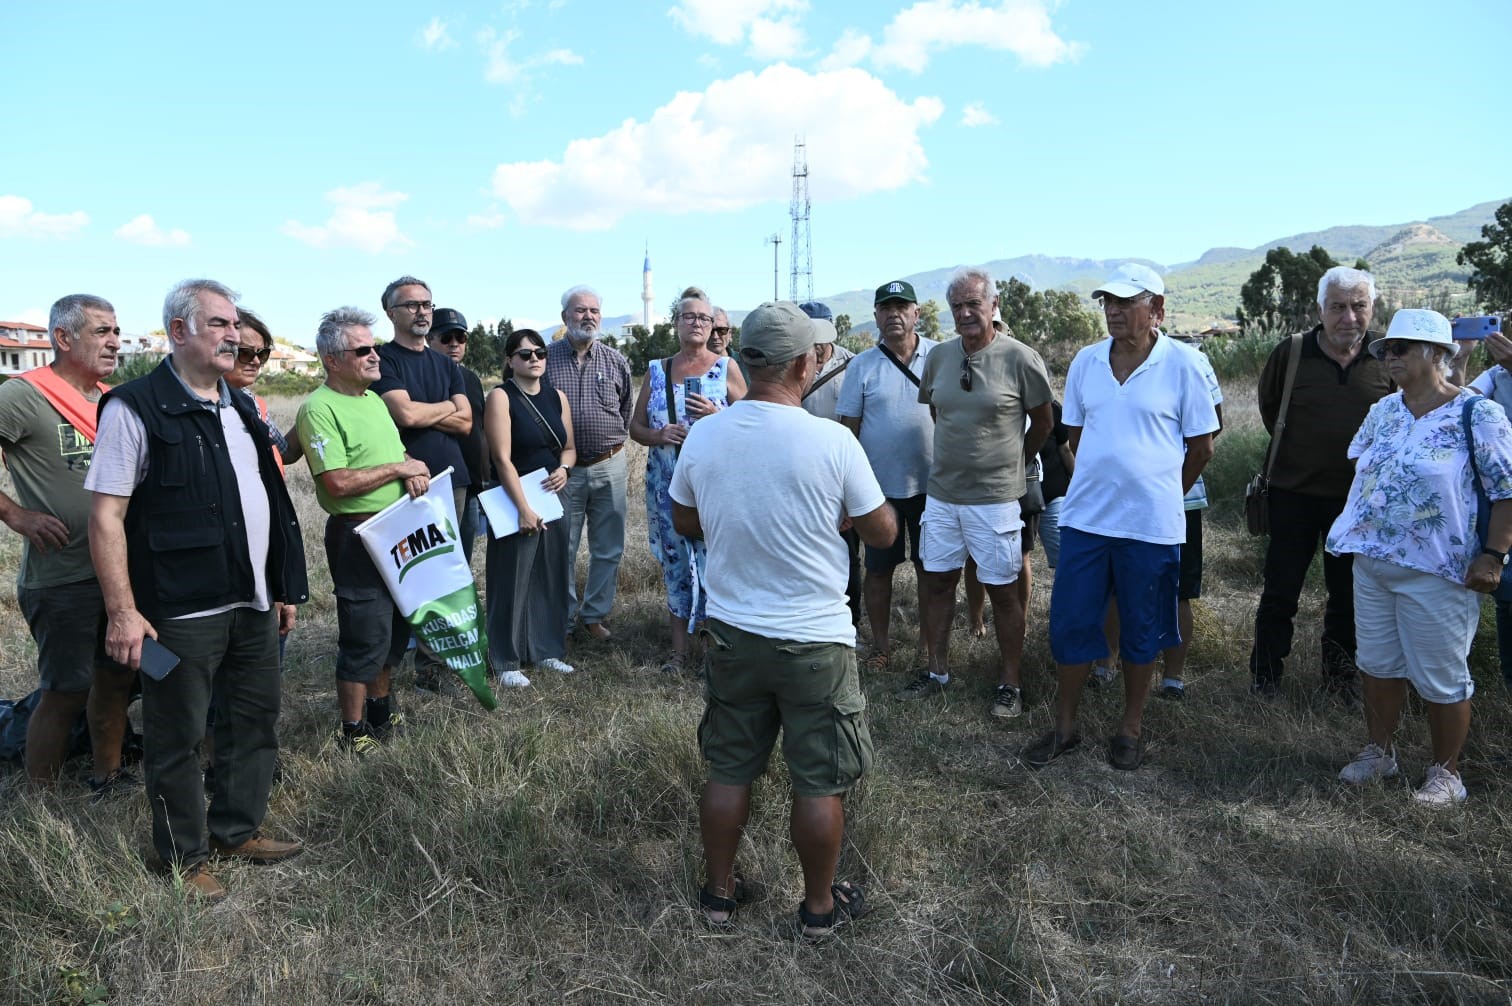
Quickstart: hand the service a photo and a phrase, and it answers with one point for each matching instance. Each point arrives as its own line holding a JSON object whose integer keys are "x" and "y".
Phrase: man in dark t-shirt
{"x": 448, "y": 336}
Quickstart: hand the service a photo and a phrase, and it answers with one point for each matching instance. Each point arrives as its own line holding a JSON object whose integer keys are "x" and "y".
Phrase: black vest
{"x": 186, "y": 541}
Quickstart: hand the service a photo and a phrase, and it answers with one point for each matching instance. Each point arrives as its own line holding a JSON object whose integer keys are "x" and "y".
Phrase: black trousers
{"x": 1299, "y": 524}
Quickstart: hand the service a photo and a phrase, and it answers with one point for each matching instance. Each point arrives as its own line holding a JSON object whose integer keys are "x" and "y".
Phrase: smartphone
{"x": 691, "y": 386}
{"x": 157, "y": 659}
{"x": 1475, "y": 326}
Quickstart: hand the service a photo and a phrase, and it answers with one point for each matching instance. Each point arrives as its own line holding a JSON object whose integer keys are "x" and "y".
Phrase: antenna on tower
{"x": 776, "y": 242}
{"x": 801, "y": 280}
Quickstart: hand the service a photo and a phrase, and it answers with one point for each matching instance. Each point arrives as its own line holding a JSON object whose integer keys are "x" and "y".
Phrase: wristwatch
{"x": 1500, "y": 556}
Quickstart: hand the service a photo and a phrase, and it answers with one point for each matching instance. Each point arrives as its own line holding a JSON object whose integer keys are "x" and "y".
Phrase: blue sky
{"x": 308, "y": 153}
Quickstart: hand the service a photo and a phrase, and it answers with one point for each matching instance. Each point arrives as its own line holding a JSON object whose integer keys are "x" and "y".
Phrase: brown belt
{"x": 611, "y": 452}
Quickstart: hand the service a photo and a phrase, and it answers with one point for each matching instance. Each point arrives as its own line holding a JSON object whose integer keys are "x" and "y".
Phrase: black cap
{"x": 817, "y": 309}
{"x": 447, "y": 319}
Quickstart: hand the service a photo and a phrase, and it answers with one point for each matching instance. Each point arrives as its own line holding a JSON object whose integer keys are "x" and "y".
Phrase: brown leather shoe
{"x": 598, "y": 630}
{"x": 201, "y": 883}
{"x": 257, "y": 849}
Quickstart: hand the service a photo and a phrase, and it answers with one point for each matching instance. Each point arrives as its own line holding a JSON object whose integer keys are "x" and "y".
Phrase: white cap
{"x": 1130, "y": 280}
{"x": 824, "y": 331}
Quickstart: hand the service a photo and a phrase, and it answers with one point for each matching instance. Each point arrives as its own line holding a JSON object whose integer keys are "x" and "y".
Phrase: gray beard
{"x": 579, "y": 337}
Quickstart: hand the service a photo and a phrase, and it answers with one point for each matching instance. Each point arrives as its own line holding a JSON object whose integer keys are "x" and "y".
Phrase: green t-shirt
{"x": 979, "y": 434}
{"x": 349, "y": 431}
{"x": 48, "y": 460}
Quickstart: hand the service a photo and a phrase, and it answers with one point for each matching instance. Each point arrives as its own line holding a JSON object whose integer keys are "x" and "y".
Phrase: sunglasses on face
{"x": 448, "y": 338}
{"x": 1396, "y": 347}
{"x": 531, "y": 354}
{"x": 360, "y": 350}
{"x": 246, "y": 354}
{"x": 722, "y": 331}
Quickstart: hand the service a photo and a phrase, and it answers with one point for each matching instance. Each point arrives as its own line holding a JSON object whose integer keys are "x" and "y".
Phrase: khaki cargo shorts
{"x": 755, "y": 685}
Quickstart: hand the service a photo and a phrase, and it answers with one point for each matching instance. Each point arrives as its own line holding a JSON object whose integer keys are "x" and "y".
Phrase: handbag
{"x": 1257, "y": 493}
{"x": 1503, "y": 591}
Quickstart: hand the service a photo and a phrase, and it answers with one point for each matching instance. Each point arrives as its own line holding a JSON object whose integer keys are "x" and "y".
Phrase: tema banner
{"x": 415, "y": 546}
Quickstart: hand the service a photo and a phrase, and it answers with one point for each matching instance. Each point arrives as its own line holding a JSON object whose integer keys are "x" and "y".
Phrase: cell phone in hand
{"x": 157, "y": 659}
{"x": 1475, "y": 327}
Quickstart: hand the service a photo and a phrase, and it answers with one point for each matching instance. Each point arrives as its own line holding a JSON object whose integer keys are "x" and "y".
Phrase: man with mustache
{"x": 595, "y": 377}
{"x": 196, "y": 544}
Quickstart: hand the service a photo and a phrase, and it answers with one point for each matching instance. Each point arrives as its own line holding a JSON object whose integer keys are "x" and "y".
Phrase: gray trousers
{"x": 596, "y": 496}
{"x": 527, "y": 598}
{"x": 230, "y": 660}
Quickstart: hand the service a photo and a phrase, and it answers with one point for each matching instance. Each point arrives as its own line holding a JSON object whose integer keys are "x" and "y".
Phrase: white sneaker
{"x": 513, "y": 679}
{"x": 1370, "y": 764}
{"x": 1442, "y": 789}
{"x": 553, "y": 664}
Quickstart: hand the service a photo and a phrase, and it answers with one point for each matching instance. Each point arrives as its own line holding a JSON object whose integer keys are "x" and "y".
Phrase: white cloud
{"x": 729, "y": 147}
{"x": 19, "y": 219}
{"x": 976, "y": 114}
{"x": 851, "y": 48}
{"x": 1021, "y": 27}
{"x": 504, "y": 68}
{"x": 363, "y": 219}
{"x": 435, "y": 37}
{"x": 771, "y": 26}
{"x": 143, "y": 230}
{"x": 491, "y": 219}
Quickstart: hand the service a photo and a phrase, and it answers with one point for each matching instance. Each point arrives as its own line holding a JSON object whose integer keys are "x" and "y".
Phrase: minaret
{"x": 646, "y": 296}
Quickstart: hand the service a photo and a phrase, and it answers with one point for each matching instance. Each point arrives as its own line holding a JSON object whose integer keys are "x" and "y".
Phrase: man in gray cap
{"x": 1142, "y": 420}
{"x": 448, "y": 336}
{"x": 880, "y": 404}
{"x": 781, "y": 648}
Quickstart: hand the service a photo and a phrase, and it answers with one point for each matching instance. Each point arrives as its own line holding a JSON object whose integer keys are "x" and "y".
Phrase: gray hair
{"x": 68, "y": 314}
{"x": 968, "y": 273}
{"x": 183, "y": 301}
{"x": 330, "y": 337}
{"x": 1346, "y": 277}
{"x": 580, "y": 288}
{"x": 388, "y": 291}
{"x": 1442, "y": 357}
{"x": 691, "y": 293}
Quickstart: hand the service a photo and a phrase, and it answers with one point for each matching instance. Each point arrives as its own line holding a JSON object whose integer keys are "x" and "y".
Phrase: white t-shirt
{"x": 897, "y": 432}
{"x": 770, "y": 483}
{"x": 1133, "y": 442}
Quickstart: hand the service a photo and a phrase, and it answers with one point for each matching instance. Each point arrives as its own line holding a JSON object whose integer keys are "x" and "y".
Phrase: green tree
{"x": 1053, "y": 321}
{"x": 842, "y": 325}
{"x": 1490, "y": 261}
{"x": 640, "y": 348}
{"x": 485, "y": 351}
{"x": 929, "y": 320}
{"x": 1283, "y": 292}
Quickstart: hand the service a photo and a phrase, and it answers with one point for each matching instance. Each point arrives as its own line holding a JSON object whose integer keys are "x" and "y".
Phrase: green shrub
{"x": 1240, "y": 356}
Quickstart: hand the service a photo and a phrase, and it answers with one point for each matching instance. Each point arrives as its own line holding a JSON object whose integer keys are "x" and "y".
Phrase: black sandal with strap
{"x": 850, "y": 904}
{"x": 714, "y": 903}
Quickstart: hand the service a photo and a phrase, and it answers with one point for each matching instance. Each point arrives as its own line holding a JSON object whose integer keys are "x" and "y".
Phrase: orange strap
{"x": 80, "y": 412}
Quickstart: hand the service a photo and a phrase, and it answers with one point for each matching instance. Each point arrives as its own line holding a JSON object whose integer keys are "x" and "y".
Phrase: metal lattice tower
{"x": 801, "y": 279}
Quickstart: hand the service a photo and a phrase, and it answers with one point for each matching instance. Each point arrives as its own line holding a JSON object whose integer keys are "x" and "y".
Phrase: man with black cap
{"x": 781, "y": 651}
{"x": 880, "y": 405}
{"x": 1142, "y": 420}
{"x": 448, "y": 336}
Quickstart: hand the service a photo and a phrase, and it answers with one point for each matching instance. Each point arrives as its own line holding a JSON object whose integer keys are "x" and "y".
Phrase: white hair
{"x": 969, "y": 273}
{"x": 580, "y": 288}
{"x": 183, "y": 301}
{"x": 1346, "y": 277}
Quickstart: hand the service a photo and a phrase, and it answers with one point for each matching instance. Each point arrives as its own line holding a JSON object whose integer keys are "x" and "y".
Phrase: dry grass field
{"x": 549, "y": 851}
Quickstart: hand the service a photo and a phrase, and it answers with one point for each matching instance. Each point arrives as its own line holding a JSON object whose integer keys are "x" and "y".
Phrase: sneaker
{"x": 1007, "y": 702}
{"x": 553, "y": 664}
{"x": 1173, "y": 690}
{"x": 1442, "y": 789}
{"x": 200, "y": 882}
{"x": 357, "y": 738}
{"x": 922, "y": 687}
{"x": 1101, "y": 674}
{"x": 389, "y": 729}
{"x": 1372, "y": 763}
{"x": 118, "y": 783}
{"x": 258, "y": 849}
{"x": 513, "y": 679}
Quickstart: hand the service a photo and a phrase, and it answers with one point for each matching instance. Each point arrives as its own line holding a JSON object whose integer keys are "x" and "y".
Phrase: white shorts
{"x": 989, "y": 532}
{"x": 1414, "y": 625}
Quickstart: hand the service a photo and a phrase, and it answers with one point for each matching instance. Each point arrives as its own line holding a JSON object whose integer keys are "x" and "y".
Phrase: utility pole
{"x": 776, "y": 242}
{"x": 802, "y": 278}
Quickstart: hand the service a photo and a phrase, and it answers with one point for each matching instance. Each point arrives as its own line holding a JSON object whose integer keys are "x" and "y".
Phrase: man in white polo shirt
{"x": 1142, "y": 423}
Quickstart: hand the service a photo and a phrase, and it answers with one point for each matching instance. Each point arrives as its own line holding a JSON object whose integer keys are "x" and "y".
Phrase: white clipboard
{"x": 504, "y": 517}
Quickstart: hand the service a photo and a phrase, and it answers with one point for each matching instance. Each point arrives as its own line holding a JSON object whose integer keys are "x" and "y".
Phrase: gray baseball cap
{"x": 774, "y": 333}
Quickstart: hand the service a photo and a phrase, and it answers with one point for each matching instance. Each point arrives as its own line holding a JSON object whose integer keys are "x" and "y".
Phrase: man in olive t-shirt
{"x": 980, "y": 388}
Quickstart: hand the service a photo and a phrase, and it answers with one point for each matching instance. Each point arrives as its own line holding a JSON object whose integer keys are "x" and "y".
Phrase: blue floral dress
{"x": 682, "y": 559}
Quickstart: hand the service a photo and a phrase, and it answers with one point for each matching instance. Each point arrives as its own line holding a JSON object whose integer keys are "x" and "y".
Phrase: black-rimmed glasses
{"x": 531, "y": 354}
{"x": 416, "y": 306}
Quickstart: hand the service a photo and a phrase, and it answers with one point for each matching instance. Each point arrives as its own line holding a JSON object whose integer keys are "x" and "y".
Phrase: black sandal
{"x": 714, "y": 903}
{"x": 850, "y": 904}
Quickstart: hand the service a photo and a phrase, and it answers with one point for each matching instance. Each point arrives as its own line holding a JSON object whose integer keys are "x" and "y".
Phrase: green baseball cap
{"x": 898, "y": 289}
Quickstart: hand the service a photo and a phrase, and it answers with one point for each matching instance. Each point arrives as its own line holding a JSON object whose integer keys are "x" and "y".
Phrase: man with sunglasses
{"x": 426, "y": 397}
{"x": 1142, "y": 420}
{"x": 448, "y": 336}
{"x": 595, "y": 377}
{"x": 1337, "y": 381}
{"x": 980, "y": 387}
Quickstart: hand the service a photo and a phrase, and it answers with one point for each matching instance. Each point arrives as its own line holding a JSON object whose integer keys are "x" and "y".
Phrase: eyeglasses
{"x": 360, "y": 350}
{"x": 697, "y": 319}
{"x": 416, "y": 306}
{"x": 246, "y": 354}
{"x": 722, "y": 331}
{"x": 1110, "y": 303}
{"x": 1396, "y": 347}
{"x": 447, "y": 338}
{"x": 965, "y": 373}
{"x": 531, "y": 354}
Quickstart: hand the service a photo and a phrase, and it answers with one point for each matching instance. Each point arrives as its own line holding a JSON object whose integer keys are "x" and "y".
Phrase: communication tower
{"x": 801, "y": 280}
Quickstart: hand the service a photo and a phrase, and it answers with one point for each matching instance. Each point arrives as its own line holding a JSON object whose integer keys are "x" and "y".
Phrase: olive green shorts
{"x": 755, "y": 685}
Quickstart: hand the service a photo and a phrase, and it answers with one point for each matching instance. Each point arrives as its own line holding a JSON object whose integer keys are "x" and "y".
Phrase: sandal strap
{"x": 715, "y": 903}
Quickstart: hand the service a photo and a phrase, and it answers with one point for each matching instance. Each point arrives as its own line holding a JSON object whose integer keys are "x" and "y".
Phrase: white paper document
{"x": 504, "y": 517}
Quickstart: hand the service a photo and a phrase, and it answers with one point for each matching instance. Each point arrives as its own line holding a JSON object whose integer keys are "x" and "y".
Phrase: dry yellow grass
{"x": 549, "y": 852}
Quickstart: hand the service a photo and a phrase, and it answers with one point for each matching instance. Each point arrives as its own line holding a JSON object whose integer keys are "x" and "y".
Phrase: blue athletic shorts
{"x": 1093, "y": 566}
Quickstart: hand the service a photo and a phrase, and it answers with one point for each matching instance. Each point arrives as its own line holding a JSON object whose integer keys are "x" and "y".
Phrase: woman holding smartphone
{"x": 678, "y": 391}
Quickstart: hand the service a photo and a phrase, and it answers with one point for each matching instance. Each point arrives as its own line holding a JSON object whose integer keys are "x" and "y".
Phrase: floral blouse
{"x": 1412, "y": 502}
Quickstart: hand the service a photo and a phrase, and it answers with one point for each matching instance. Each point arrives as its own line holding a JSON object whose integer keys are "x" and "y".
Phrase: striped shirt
{"x": 599, "y": 392}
